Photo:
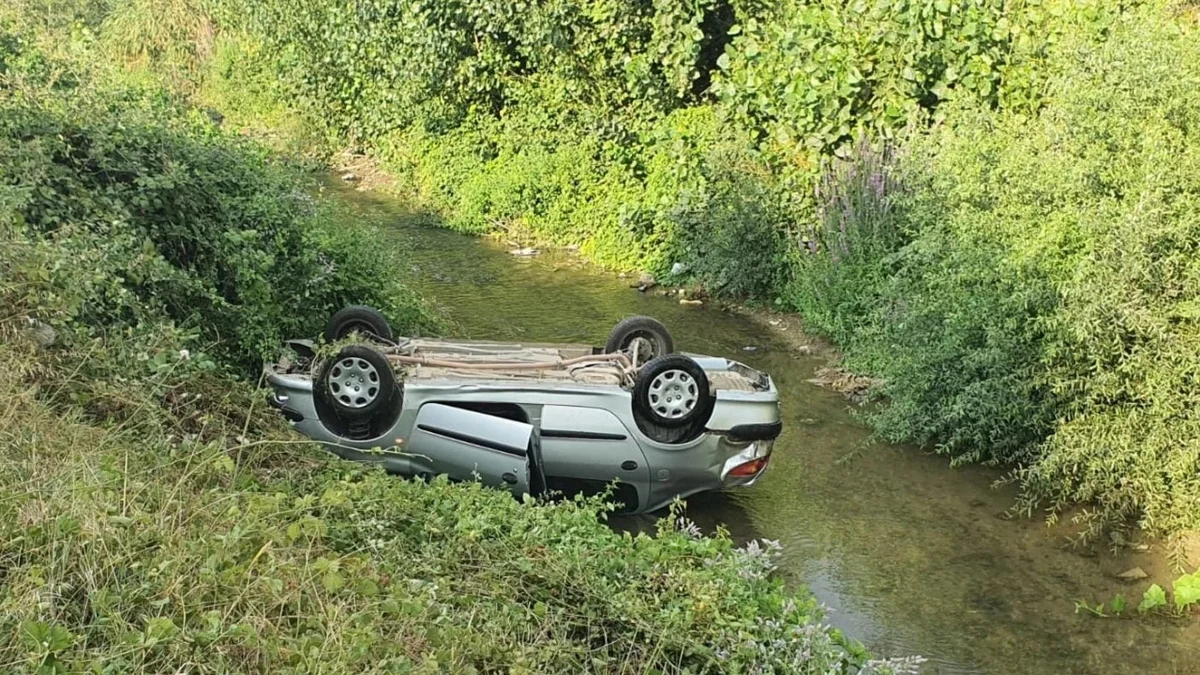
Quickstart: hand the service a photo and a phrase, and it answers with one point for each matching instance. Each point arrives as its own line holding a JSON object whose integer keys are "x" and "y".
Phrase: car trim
{"x": 583, "y": 435}
{"x": 756, "y": 432}
{"x": 473, "y": 440}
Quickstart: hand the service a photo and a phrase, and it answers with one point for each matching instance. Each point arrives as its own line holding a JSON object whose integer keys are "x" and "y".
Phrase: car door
{"x": 467, "y": 445}
{"x": 586, "y": 449}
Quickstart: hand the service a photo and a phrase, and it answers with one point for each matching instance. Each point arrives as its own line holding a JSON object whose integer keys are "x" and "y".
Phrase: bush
{"x": 1034, "y": 306}
{"x": 147, "y": 212}
{"x": 846, "y": 255}
{"x": 814, "y": 75}
{"x": 1122, "y": 347}
{"x": 594, "y": 124}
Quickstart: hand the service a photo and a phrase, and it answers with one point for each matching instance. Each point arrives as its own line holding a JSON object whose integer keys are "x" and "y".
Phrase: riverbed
{"x": 910, "y": 555}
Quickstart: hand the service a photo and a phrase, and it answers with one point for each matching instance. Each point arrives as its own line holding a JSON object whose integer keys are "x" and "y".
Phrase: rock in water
{"x": 1133, "y": 574}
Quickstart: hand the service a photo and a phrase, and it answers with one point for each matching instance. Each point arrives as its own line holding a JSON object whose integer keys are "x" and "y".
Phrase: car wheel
{"x": 651, "y": 338}
{"x": 367, "y": 321}
{"x": 669, "y": 435}
{"x": 672, "y": 391}
{"x": 357, "y": 383}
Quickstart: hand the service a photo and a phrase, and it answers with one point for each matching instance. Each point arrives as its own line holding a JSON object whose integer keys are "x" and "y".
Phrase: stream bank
{"x": 913, "y": 557}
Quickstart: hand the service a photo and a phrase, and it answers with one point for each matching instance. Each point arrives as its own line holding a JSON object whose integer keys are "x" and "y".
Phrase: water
{"x": 913, "y": 557}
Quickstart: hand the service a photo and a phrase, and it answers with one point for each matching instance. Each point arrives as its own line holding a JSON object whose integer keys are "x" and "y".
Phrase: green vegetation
{"x": 989, "y": 205}
{"x": 1185, "y": 597}
{"x": 156, "y": 516}
{"x": 1029, "y": 296}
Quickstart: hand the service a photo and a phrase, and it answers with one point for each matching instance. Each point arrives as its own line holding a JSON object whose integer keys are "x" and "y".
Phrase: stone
{"x": 350, "y": 177}
{"x": 44, "y": 335}
{"x": 524, "y": 252}
{"x": 677, "y": 269}
{"x": 685, "y": 301}
{"x": 1133, "y": 574}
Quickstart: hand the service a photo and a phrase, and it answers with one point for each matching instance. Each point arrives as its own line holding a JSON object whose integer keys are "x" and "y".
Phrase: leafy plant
{"x": 1186, "y": 590}
{"x": 149, "y": 212}
{"x": 1152, "y": 599}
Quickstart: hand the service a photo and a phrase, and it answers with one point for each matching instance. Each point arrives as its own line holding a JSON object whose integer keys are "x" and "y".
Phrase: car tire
{"x": 669, "y": 435}
{"x": 644, "y": 327}
{"x": 357, "y": 383}
{"x": 367, "y": 321}
{"x": 672, "y": 392}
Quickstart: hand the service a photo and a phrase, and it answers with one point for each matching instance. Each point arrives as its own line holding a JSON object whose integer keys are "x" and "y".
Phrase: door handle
{"x": 629, "y": 465}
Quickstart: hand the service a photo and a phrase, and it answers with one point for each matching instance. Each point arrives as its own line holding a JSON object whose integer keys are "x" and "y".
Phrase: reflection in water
{"x": 913, "y": 557}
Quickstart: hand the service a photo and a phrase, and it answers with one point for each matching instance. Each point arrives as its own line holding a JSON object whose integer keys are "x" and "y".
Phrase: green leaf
{"x": 333, "y": 581}
{"x": 723, "y": 61}
{"x": 1187, "y": 590}
{"x": 160, "y": 628}
{"x": 1117, "y": 605}
{"x": 1153, "y": 598}
{"x": 366, "y": 588}
{"x": 44, "y": 638}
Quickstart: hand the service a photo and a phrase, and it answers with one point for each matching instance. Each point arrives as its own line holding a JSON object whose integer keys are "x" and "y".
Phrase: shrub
{"x": 1122, "y": 347}
{"x": 592, "y": 122}
{"x": 845, "y": 256}
{"x": 155, "y": 214}
{"x": 814, "y": 75}
{"x": 1041, "y": 315}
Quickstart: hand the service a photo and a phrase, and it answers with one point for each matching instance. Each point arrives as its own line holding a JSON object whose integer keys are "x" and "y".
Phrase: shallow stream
{"x": 912, "y": 557}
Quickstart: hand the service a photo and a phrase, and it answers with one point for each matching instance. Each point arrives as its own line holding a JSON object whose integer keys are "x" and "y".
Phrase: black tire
{"x": 367, "y": 321}
{"x": 664, "y": 388}
{"x": 649, "y": 329}
{"x": 357, "y": 384}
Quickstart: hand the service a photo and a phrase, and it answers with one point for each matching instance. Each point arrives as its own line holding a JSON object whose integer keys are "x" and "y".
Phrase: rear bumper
{"x": 763, "y": 431}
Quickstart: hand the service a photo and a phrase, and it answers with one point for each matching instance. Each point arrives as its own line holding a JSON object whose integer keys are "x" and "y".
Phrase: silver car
{"x": 632, "y": 417}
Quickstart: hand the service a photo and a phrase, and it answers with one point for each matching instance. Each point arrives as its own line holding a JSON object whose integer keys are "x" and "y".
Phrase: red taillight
{"x": 751, "y": 468}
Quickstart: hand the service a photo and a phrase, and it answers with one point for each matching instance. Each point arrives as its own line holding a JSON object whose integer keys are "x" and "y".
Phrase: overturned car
{"x": 533, "y": 418}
